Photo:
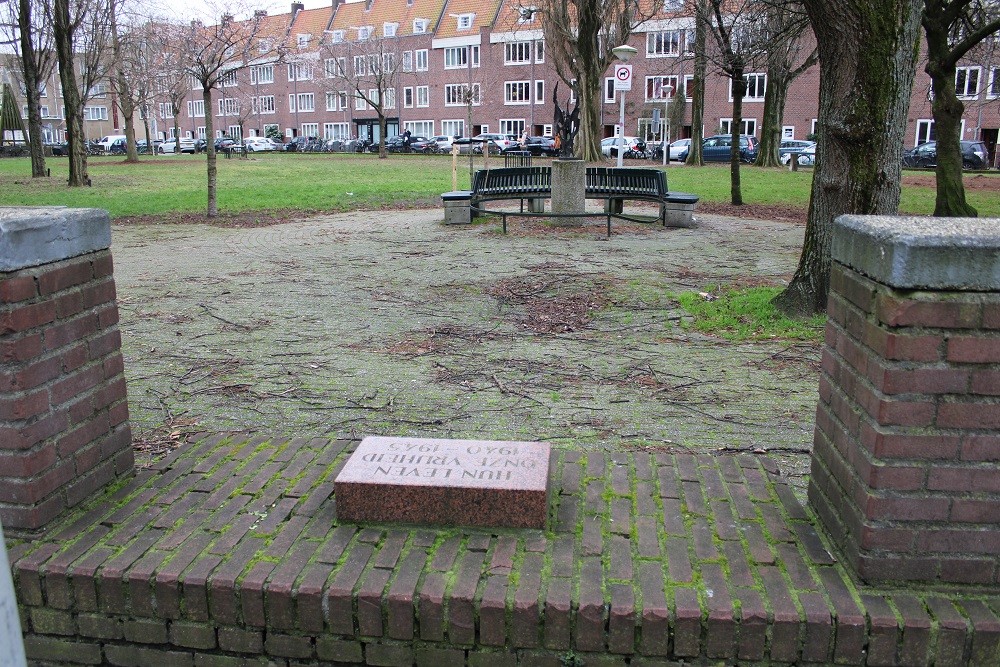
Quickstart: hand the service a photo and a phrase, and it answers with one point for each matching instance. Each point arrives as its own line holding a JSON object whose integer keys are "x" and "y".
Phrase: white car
{"x": 443, "y": 142}
{"x": 257, "y": 144}
{"x": 497, "y": 142}
{"x": 169, "y": 146}
{"x": 680, "y": 148}
{"x": 807, "y": 157}
{"x": 609, "y": 146}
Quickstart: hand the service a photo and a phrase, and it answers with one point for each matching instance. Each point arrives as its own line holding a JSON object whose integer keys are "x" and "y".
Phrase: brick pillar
{"x": 64, "y": 430}
{"x": 906, "y": 459}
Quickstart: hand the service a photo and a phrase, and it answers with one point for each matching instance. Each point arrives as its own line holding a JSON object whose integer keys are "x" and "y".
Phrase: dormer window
{"x": 420, "y": 26}
{"x": 526, "y": 14}
{"x": 673, "y": 5}
{"x": 465, "y": 21}
{"x": 389, "y": 29}
{"x": 302, "y": 40}
{"x": 337, "y": 36}
{"x": 364, "y": 32}
{"x": 264, "y": 45}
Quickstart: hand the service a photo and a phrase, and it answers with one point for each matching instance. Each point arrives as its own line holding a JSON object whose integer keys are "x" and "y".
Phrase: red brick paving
{"x": 228, "y": 552}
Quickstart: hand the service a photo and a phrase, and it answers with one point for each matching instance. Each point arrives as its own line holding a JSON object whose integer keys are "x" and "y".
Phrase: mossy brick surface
{"x": 668, "y": 557}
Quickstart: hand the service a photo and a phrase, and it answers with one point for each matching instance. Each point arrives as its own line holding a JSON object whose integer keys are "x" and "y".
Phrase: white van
{"x": 112, "y": 140}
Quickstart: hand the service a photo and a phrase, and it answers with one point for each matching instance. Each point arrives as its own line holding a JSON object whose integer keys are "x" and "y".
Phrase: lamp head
{"x": 624, "y": 52}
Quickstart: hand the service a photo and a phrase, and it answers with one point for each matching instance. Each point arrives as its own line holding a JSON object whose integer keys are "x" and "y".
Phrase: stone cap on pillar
{"x": 910, "y": 252}
{"x": 36, "y": 235}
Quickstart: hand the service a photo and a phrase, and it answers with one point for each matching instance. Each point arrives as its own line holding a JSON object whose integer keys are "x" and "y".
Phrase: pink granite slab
{"x": 445, "y": 482}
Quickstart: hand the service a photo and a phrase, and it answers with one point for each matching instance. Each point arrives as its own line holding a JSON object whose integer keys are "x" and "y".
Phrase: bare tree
{"x": 740, "y": 41}
{"x": 32, "y": 41}
{"x": 953, "y": 29}
{"x": 703, "y": 19}
{"x": 867, "y": 56}
{"x": 786, "y": 61}
{"x": 213, "y": 52}
{"x": 579, "y": 37}
{"x": 371, "y": 73}
{"x": 172, "y": 80}
{"x": 64, "y": 29}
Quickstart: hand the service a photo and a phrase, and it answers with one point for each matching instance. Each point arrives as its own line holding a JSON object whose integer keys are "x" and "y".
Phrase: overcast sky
{"x": 208, "y": 10}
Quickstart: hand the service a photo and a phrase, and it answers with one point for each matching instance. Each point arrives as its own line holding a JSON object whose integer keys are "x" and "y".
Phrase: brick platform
{"x": 64, "y": 430}
{"x": 228, "y": 552}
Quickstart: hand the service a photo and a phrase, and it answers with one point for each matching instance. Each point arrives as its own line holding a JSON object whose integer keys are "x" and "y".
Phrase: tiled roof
{"x": 379, "y": 12}
{"x": 309, "y": 22}
{"x": 483, "y": 11}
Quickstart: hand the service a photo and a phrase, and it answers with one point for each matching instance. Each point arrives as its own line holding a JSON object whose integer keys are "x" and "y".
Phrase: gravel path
{"x": 392, "y": 323}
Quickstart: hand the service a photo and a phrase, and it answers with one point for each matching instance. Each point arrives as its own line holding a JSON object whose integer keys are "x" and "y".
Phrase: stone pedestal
{"x": 457, "y": 207}
{"x": 64, "y": 430}
{"x": 906, "y": 458}
{"x": 569, "y": 190}
{"x": 445, "y": 482}
{"x": 680, "y": 210}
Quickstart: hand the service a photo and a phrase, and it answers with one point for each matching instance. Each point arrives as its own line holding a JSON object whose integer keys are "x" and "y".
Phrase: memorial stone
{"x": 445, "y": 482}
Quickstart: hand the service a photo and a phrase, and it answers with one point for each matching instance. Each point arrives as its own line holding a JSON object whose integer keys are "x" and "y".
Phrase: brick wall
{"x": 906, "y": 463}
{"x": 64, "y": 428}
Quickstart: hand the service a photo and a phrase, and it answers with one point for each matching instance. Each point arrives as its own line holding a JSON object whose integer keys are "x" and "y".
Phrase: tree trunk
{"x": 698, "y": 95}
{"x": 382, "y": 153}
{"x": 128, "y": 111}
{"x": 62, "y": 32}
{"x": 32, "y": 89}
{"x": 739, "y": 90}
{"x": 947, "y": 111}
{"x": 590, "y": 98}
{"x": 213, "y": 200}
{"x": 867, "y": 53}
{"x": 774, "y": 111}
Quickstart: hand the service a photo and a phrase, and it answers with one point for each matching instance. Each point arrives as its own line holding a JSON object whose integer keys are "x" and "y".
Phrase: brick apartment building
{"x": 495, "y": 48}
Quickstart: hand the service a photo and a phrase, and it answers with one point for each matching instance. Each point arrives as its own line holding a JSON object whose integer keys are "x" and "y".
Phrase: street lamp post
{"x": 667, "y": 93}
{"x": 624, "y": 53}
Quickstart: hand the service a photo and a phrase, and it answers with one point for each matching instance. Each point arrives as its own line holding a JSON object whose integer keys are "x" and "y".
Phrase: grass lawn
{"x": 341, "y": 182}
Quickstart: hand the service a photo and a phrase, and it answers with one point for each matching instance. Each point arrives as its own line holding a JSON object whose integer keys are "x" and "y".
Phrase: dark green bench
{"x": 610, "y": 184}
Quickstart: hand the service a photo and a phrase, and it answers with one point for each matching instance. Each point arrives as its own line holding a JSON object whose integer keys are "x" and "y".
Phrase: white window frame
{"x": 331, "y": 100}
{"x": 265, "y": 104}
{"x": 420, "y": 26}
{"x": 406, "y": 61}
{"x": 993, "y": 90}
{"x": 664, "y": 43}
{"x": 306, "y": 102}
{"x": 654, "y": 87}
{"x": 389, "y": 29}
{"x": 310, "y": 129}
{"x": 516, "y": 92}
{"x": 787, "y": 131}
{"x": 964, "y": 74}
{"x": 452, "y": 90}
{"x": 453, "y": 127}
{"x": 465, "y": 21}
{"x": 420, "y": 60}
{"x": 756, "y": 87}
{"x": 337, "y": 36}
{"x": 610, "y": 94}
{"x": 513, "y": 126}
{"x": 408, "y": 97}
{"x": 418, "y": 128}
{"x": 196, "y": 108}
{"x": 539, "y": 91}
{"x": 517, "y": 53}
{"x": 262, "y": 74}
{"x": 459, "y": 57}
{"x": 423, "y": 96}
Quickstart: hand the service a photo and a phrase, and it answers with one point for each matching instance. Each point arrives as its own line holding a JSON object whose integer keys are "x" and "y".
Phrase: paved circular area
{"x": 391, "y": 323}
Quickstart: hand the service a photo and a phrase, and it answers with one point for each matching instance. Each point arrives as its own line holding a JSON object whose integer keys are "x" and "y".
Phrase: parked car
{"x": 609, "y": 146}
{"x": 113, "y": 143}
{"x": 60, "y": 148}
{"x": 443, "y": 142}
{"x": 925, "y": 155}
{"x": 170, "y": 146}
{"x": 792, "y": 146}
{"x": 296, "y": 144}
{"x": 537, "y": 146}
{"x": 143, "y": 148}
{"x": 222, "y": 143}
{"x": 421, "y": 144}
{"x": 717, "y": 148}
{"x": 679, "y": 149}
{"x": 807, "y": 156}
{"x": 497, "y": 142}
{"x": 258, "y": 144}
